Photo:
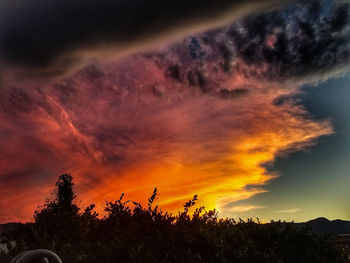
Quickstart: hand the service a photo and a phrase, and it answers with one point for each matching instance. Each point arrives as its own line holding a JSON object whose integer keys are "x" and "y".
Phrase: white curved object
{"x": 47, "y": 255}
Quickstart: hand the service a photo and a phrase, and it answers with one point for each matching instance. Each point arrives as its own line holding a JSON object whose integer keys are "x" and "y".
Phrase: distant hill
{"x": 324, "y": 226}
{"x": 319, "y": 225}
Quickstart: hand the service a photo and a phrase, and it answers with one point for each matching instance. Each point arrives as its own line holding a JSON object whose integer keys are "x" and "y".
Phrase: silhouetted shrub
{"x": 131, "y": 233}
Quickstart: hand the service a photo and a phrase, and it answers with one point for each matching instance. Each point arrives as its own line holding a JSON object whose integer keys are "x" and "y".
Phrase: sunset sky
{"x": 244, "y": 103}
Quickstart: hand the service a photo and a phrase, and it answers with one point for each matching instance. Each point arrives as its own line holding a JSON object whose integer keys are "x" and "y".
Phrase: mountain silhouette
{"x": 322, "y": 225}
{"x": 319, "y": 225}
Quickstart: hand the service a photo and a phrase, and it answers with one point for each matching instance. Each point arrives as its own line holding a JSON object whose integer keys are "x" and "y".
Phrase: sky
{"x": 243, "y": 103}
{"x": 312, "y": 183}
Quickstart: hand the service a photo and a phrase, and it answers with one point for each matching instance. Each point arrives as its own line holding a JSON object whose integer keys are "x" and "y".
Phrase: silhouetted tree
{"x": 65, "y": 195}
{"x": 131, "y": 233}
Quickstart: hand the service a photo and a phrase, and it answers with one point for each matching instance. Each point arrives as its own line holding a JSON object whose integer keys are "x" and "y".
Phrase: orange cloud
{"x": 217, "y": 167}
{"x": 244, "y": 208}
{"x": 114, "y": 134}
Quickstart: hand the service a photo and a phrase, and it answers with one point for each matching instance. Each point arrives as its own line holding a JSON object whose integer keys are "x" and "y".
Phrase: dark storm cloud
{"x": 304, "y": 39}
{"x": 48, "y": 33}
{"x": 309, "y": 37}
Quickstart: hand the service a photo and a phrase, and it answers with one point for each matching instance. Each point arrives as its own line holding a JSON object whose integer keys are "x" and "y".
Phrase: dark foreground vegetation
{"x": 132, "y": 233}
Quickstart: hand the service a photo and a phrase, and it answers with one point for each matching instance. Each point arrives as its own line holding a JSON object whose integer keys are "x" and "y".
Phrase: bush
{"x": 132, "y": 233}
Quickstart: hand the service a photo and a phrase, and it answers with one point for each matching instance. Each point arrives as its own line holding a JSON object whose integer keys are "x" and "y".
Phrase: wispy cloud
{"x": 244, "y": 208}
{"x": 289, "y": 211}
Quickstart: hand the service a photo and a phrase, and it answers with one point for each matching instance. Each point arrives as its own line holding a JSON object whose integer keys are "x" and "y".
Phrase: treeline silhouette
{"x": 132, "y": 233}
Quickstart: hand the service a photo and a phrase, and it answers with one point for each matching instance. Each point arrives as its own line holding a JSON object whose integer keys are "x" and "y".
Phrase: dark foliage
{"x": 131, "y": 233}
